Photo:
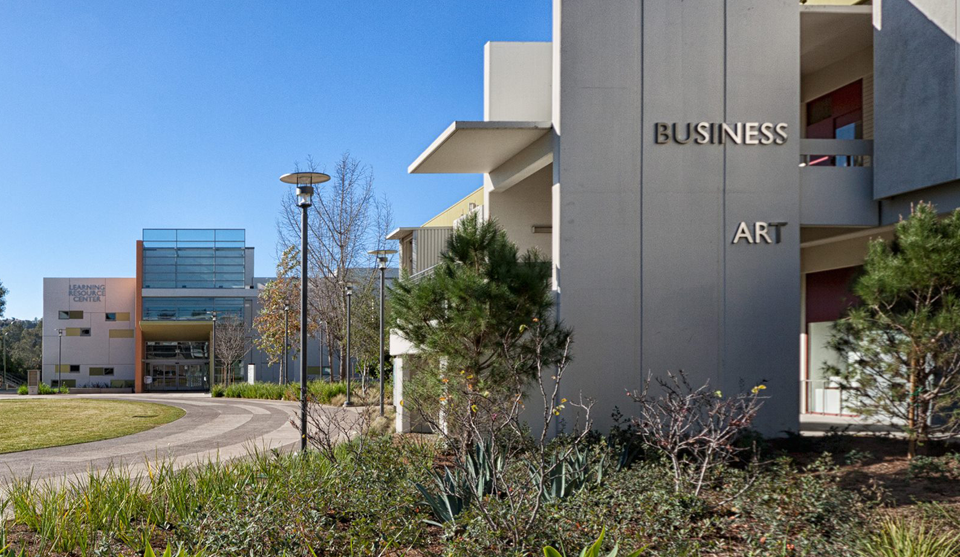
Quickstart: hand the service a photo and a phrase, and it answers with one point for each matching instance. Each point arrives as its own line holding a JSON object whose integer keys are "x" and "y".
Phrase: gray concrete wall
{"x": 647, "y": 274}
{"x": 916, "y": 95}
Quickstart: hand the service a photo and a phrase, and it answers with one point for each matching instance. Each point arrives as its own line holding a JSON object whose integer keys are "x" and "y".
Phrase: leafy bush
{"x": 217, "y": 391}
{"x": 898, "y": 538}
{"x": 928, "y": 467}
{"x": 43, "y": 389}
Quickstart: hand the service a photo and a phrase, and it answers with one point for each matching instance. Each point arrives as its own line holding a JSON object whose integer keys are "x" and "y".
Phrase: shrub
{"x": 899, "y": 538}
{"x": 45, "y": 389}
{"x": 696, "y": 429}
{"x": 928, "y": 467}
{"x": 22, "y": 390}
{"x": 322, "y": 392}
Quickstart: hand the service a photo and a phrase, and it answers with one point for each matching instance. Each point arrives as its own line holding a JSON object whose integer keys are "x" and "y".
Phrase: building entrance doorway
{"x": 177, "y": 376}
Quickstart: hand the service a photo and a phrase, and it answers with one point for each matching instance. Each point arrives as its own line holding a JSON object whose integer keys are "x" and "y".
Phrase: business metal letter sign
{"x": 721, "y": 133}
{"x": 759, "y": 233}
{"x": 87, "y": 292}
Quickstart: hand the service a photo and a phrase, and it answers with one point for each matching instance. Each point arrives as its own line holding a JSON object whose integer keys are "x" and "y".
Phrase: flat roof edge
{"x": 473, "y": 125}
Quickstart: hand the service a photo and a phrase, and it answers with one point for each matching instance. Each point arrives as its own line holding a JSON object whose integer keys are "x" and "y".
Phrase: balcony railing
{"x": 836, "y": 183}
{"x": 823, "y": 396}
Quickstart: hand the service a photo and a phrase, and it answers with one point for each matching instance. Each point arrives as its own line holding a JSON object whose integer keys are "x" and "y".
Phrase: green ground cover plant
{"x": 364, "y": 501}
{"x": 322, "y": 392}
{"x": 52, "y": 422}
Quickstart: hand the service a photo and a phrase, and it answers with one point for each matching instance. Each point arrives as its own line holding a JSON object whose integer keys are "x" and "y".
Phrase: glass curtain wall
{"x": 179, "y": 258}
{"x": 190, "y": 309}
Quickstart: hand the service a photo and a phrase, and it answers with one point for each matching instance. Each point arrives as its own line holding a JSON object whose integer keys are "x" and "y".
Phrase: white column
{"x": 400, "y": 376}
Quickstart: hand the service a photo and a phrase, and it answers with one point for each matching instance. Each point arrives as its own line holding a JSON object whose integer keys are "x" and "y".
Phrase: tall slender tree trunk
{"x": 912, "y": 412}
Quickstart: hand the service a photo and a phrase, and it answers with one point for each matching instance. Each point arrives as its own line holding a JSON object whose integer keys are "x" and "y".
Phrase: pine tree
{"x": 901, "y": 341}
{"x": 471, "y": 318}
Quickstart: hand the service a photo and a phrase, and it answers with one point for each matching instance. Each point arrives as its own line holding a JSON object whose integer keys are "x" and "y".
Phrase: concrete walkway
{"x": 212, "y": 428}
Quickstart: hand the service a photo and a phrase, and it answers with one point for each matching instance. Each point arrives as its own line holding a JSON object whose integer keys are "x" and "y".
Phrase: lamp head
{"x": 304, "y": 196}
{"x": 383, "y": 255}
{"x": 304, "y": 182}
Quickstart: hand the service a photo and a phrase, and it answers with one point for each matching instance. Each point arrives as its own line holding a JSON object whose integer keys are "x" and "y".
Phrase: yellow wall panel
{"x": 121, "y": 333}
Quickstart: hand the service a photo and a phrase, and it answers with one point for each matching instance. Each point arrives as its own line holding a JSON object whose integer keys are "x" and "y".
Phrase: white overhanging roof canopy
{"x": 401, "y": 232}
{"x": 477, "y": 147}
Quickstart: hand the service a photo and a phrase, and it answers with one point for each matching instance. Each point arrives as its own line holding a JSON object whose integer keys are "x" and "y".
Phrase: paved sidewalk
{"x": 212, "y": 428}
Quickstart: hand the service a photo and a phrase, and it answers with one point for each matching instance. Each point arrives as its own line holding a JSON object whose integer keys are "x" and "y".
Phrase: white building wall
{"x": 518, "y": 82}
{"x": 523, "y": 206}
{"x": 100, "y": 349}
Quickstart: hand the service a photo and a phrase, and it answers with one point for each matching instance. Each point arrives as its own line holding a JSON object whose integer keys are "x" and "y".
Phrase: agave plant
{"x": 564, "y": 477}
{"x": 483, "y": 468}
{"x": 452, "y": 498}
{"x": 593, "y": 550}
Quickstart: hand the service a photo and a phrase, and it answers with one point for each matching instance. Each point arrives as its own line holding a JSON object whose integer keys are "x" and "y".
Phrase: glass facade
{"x": 190, "y": 309}
{"x": 193, "y": 258}
{"x": 174, "y": 350}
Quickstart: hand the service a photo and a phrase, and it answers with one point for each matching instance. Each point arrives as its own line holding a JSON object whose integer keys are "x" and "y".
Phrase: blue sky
{"x": 117, "y": 116}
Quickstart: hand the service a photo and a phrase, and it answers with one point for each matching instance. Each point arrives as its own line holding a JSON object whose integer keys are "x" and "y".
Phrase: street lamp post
{"x": 285, "y": 372}
{"x": 213, "y": 350}
{"x": 382, "y": 257}
{"x": 59, "y": 360}
{"x": 304, "y": 182}
{"x": 347, "y": 363}
{"x": 4, "y": 360}
{"x": 320, "y": 326}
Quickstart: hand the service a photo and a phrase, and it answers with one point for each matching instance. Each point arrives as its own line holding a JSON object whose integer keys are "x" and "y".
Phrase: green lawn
{"x": 37, "y": 424}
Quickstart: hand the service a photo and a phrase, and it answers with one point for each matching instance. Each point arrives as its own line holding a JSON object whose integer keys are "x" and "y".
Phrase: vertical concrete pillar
{"x": 400, "y": 377}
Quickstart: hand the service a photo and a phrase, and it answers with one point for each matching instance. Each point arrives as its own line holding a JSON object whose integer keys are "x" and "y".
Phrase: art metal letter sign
{"x": 87, "y": 292}
{"x": 760, "y": 232}
{"x": 720, "y": 133}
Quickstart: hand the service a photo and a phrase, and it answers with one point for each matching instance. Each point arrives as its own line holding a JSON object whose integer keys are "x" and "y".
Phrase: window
{"x": 108, "y": 371}
{"x": 836, "y": 115}
{"x": 64, "y": 314}
{"x": 74, "y": 368}
{"x": 193, "y": 258}
{"x": 70, "y": 314}
{"x": 828, "y": 296}
{"x": 84, "y": 332}
{"x": 190, "y": 309}
{"x": 97, "y": 371}
{"x": 111, "y": 316}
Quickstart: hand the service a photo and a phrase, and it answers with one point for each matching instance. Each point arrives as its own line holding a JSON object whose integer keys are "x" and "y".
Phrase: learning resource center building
{"x": 153, "y": 332}
{"x": 705, "y": 177}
